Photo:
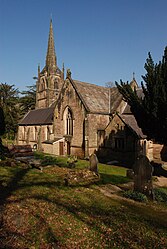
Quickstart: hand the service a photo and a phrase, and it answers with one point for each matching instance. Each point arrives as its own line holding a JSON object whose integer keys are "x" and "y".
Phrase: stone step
{"x": 24, "y": 154}
{"x": 21, "y": 151}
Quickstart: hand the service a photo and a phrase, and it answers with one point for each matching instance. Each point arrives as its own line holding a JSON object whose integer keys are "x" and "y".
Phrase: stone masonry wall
{"x": 71, "y": 100}
{"x": 96, "y": 122}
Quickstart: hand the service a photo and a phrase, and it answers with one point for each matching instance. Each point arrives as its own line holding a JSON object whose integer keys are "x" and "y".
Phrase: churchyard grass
{"x": 39, "y": 211}
{"x": 108, "y": 173}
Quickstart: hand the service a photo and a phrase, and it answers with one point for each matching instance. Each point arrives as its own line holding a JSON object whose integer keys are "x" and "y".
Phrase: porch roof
{"x": 132, "y": 123}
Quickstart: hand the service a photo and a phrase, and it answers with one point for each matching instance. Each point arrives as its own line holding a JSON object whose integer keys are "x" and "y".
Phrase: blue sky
{"x": 99, "y": 40}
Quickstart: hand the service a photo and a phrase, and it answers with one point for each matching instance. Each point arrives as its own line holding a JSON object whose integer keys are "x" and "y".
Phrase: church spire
{"x": 51, "y": 63}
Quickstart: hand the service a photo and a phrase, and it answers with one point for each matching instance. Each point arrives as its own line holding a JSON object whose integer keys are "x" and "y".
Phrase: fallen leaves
{"x": 41, "y": 214}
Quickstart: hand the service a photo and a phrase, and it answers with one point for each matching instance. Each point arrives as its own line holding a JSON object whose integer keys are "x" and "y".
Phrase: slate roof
{"x": 96, "y": 98}
{"x": 38, "y": 117}
{"x": 127, "y": 110}
{"x": 140, "y": 94}
{"x": 53, "y": 141}
{"x": 132, "y": 123}
{"x": 129, "y": 118}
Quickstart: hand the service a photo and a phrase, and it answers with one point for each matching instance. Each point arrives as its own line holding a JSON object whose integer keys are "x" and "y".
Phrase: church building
{"x": 72, "y": 117}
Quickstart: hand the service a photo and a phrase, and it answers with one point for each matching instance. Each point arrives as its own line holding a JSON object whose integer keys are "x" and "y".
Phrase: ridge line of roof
{"x": 120, "y": 116}
{"x": 23, "y": 117}
{"x": 80, "y": 96}
{"x": 91, "y": 84}
{"x": 142, "y": 135}
{"x": 38, "y": 109}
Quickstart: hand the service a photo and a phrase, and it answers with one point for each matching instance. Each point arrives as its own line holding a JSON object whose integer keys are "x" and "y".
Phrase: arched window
{"x": 68, "y": 121}
{"x": 56, "y": 84}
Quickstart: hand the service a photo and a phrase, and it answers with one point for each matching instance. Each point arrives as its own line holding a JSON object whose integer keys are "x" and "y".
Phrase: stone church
{"x": 72, "y": 117}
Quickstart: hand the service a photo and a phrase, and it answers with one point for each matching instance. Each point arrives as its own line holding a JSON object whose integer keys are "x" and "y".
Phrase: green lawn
{"x": 109, "y": 173}
{"x": 38, "y": 211}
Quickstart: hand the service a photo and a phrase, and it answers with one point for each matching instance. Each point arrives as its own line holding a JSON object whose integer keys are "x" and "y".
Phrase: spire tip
{"x": 133, "y": 75}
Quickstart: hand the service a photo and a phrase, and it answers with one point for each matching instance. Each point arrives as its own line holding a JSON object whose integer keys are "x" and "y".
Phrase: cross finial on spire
{"x": 133, "y": 75}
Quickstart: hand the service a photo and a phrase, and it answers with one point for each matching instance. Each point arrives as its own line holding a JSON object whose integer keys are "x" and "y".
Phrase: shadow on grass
{"x": 12, "y": 186}
{"x": 16, "y": 239}
{"x": 153, "y": 216}
{"x": 7, "y": 237}
{"x": 94, "y": 209}
{"x": 133, "y": 215}
{"x": 112, "y": 179}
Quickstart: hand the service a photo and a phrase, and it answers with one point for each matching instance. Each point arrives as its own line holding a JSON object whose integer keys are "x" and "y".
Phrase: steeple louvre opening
{"x": 51, "y": 61}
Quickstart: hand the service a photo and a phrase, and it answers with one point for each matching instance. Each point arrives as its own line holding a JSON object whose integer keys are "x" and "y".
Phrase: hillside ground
{"x": 39, "y": 211}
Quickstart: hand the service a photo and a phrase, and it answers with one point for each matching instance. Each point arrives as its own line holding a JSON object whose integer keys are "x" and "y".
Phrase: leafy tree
{"x": 109, "y": 84}
{"x": 2, "y": 122}
{"x": 151, "y": 110}
{"x": 2, "y": 131}
{"x": 9, "y": 104}
{"x": 27, "y": 102}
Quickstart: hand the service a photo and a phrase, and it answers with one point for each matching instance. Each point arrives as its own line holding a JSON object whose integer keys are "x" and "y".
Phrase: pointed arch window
{"x": 68, "y": 121}
{"x": 56, "y": 84}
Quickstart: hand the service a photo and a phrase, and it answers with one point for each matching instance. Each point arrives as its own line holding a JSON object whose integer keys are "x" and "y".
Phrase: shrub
{"x": 160, "y": 195}
{"x": 39, "y": 155}
{"x": 136, "y": 196}
{"x": 45, "y": 159}
{"x": 71, "y": 161}
{"x": 48, "y": 160}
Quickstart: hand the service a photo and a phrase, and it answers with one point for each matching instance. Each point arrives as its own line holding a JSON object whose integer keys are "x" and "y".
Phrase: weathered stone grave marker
{"x": 93, "y": 163}
{"x": 143, "y": 176}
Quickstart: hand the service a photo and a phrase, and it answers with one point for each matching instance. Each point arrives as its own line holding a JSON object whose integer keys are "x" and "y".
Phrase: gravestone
{"x": 143, "y": 176}
{"x": 93, "y": 163}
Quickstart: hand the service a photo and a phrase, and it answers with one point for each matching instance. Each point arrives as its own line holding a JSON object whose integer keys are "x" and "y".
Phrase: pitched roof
{"x": 132, "y": 123}
{"x": 38, "y": 117}
{"x": 96, "y": 98}
{"x": 140, "y": 94}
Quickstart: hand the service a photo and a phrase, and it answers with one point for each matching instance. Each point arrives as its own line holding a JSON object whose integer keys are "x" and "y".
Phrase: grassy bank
{"x": 39, "y": 211}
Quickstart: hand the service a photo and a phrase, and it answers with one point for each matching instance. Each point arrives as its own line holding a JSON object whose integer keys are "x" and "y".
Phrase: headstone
{"x": 143, "y": 176}
{"x": 93, "y": 163}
